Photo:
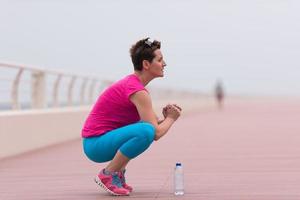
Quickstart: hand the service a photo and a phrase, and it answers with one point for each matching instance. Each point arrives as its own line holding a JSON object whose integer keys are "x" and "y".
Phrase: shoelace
{"x": 122, "y": 177}
{"x": 116, "y": 180}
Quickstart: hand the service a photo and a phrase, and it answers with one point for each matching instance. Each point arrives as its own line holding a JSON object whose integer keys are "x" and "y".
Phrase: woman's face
{"x": 157, "y": 65}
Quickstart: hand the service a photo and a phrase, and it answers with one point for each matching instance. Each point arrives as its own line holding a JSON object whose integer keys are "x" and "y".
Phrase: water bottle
{"x": 178, "y": 180}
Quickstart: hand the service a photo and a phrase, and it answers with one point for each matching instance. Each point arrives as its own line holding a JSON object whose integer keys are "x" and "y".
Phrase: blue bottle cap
{"x": 178, "y": 164}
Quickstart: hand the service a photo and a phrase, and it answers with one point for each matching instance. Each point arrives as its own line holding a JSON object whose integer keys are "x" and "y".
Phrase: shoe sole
{"x": 98, "y": 181}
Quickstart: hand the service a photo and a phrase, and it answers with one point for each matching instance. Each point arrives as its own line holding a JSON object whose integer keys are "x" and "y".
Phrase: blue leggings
{"x": 131, "y": 140}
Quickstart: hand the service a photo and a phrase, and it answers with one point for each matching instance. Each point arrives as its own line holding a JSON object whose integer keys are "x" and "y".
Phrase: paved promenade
{"x": 248, "y": 151}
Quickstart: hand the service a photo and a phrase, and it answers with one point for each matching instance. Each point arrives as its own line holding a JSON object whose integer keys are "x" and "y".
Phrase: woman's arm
{"x": 160, "y": 121}
{"x": 143, "y": 103}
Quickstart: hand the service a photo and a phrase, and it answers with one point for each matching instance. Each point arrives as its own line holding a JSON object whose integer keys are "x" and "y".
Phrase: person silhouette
{"x": 219, "y": 94}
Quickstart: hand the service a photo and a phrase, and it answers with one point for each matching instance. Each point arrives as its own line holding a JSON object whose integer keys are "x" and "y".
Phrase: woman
{"x": 122, "y": 123}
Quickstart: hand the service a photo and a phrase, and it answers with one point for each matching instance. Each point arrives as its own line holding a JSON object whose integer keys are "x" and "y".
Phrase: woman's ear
{"x": 146, "y": 64}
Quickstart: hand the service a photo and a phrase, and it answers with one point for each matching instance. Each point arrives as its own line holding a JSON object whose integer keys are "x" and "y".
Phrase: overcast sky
{"x": 253, "y": 46}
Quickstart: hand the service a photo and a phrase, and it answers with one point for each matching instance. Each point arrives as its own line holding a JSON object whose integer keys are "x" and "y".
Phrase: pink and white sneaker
{"x": 123, "y": 181}
{"x": 111, "y": 182}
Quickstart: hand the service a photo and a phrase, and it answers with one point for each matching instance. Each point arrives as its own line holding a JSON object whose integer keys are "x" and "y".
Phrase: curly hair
{"x": 143, "y": 50}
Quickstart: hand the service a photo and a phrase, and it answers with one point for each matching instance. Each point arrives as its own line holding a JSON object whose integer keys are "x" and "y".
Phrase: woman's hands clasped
{"x": 172, "y": 110}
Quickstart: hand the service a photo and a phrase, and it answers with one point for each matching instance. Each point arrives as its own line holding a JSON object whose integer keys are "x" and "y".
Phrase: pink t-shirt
{"x": 113, "y": 109}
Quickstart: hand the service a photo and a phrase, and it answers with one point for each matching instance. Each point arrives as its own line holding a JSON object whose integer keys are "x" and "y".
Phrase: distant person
{"x": 122, "y": 123}
{"x": 219, "y": 94}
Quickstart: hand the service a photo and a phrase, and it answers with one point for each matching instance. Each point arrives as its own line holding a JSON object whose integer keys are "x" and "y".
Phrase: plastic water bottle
{"x": 178, "y": 180}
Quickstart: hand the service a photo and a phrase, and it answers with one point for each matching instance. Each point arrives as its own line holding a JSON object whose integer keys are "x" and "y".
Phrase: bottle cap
{"x": 178, "y": 164}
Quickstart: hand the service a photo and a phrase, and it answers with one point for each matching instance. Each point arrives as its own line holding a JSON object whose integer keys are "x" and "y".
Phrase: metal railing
{"x": 38, "y": 98}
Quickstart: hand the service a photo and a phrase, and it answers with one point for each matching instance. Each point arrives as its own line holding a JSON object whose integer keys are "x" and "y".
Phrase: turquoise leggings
{"x": 131, "y": 140}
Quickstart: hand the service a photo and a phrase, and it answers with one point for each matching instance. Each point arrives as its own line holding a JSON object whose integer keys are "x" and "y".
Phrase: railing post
{"x": 70, "y": 90}
{"x": 15, "y": 91}
{"x": 37, "y": 89}
{"x": 82, "y": 91}
{"x": 92, "y": 91}
{"x": 55, "y": 90}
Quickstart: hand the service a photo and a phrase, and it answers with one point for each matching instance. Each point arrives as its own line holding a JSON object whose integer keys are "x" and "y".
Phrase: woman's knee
{"x": 143, "y": 137}
{"x": 147, "y": 131}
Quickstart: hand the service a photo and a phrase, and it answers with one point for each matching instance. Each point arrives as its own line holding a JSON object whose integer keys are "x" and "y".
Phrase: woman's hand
{"x": 177, "y": 107}
{"x": 173, "y": 111}
{"x": 164, "y": 111}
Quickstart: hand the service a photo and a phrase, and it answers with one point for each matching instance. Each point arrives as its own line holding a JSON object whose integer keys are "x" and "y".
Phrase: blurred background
{"x": 252, "y": 46}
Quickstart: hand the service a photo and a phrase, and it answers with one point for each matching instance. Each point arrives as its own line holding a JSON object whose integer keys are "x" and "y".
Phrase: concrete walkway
{"x": 248, "y": 151}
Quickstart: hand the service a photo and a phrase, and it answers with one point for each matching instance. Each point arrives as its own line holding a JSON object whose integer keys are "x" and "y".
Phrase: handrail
{"x": 36, "y": 69}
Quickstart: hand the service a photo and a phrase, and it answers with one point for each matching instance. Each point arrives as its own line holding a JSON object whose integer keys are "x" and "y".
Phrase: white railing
{"x": 38, "y": 93}
{"x": 45, "y": 94}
